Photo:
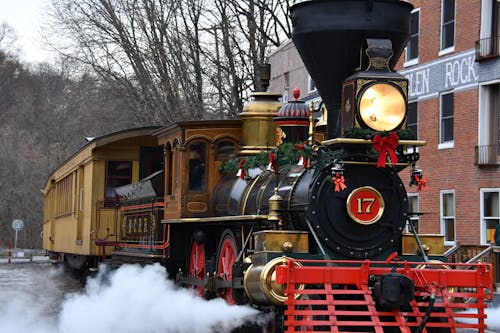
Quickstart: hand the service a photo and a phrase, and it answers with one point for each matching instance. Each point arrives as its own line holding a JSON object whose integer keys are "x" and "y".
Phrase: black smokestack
{"x": 329, "y": 35}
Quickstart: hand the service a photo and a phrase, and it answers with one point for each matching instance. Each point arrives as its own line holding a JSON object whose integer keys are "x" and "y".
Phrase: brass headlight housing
{"x": 375, "y": 98}
{"x": 382, "y": 107}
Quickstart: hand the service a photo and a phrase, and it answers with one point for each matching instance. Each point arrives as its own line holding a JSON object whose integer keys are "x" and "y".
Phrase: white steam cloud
{"x": 142, "y": 299}
{"x": 130, "y": 299}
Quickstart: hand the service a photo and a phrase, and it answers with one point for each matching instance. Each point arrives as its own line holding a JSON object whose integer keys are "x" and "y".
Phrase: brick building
{"x": 452, "y": 62}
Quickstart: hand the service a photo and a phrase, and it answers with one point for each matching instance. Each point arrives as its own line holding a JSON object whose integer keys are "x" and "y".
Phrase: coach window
{"x": 118, "y": 173}
{"x": 198, "y": 166}
{"x": 169, "y": 167}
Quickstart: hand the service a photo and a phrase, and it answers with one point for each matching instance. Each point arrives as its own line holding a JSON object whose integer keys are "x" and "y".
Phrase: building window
{"x": 490, "y": 213}
{"x": 447, "y": 213}
{"x": 446, "y": 112}
{"x": 412, "y": 120}
{"x": 488, "y": 44}
{"x": 310, "y": 84}
{"x": 488, "y": 149}
{"x": 447, "y": 25}
{"x": 198, "y": 166}
{"x": 118, "y": 173}
{"x": 413, "y": 210}
{"x": 412, "y": 46}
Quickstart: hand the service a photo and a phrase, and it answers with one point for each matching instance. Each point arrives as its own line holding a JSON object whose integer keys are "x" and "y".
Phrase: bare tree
{"x": 175, "y": 59}
{"x": 147, "y": 48}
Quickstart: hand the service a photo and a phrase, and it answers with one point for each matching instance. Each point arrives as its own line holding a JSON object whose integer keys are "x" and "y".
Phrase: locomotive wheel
{"x": 226, "y": 256}
{"x": 197, "y": 264}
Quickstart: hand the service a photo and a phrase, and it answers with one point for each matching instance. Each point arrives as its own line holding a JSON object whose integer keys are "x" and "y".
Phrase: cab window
{"x": 197, "y": 166}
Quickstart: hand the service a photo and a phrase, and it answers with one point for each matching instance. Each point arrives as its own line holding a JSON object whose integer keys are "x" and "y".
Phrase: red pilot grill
{"x": 348, "y": 296}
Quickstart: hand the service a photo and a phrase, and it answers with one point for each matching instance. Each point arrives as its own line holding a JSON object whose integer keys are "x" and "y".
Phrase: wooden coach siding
{"x": 68, "y": 235}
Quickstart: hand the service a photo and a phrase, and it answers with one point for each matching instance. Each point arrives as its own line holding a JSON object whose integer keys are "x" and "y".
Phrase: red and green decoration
{"x": 286, "y": 154}
{"x": 386, "y": 146}
{"x": 417, "y": 179}
{"x": 384, "y": 143}
{"x": 338, "y": 179}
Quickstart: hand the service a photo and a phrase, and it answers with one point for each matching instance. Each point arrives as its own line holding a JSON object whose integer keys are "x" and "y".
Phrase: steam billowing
{"x": 130, "y": 299}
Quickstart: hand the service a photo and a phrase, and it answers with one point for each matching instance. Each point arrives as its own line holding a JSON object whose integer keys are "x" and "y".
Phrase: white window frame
{"x": 481, "y": 212}
{"x": 414, "y": 61}
{"x": 442, "y": 193}
{"x": 484, "y": 116}
{"x": 445, "y": 144}
{"x": 414, "y": 217}
{"x": 450, "y": 48}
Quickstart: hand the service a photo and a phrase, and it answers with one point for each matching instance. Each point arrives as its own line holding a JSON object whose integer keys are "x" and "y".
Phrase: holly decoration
{"x": 286, "y": 154}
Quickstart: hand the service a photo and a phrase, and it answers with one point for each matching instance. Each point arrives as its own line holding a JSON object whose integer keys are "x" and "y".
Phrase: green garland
{"x": 367, "y": 134}
{"x": 286, "y": 154}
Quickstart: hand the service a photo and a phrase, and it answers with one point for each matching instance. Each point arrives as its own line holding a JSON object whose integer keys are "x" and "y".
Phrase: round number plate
{"x": 365, "y": 205}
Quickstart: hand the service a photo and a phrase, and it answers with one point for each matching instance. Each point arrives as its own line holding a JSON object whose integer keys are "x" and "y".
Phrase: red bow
{"x": 272, "y": 162}
{"x": 338, "y": 181}
{"x": 386, "y": 145}
{"x": 421, "y": 183}
{"x": 241, "y": 170}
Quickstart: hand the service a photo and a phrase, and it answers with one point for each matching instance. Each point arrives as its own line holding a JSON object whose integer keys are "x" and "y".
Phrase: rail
{"x": 22, "y": 255}
{"x": 487, "y": 48}
{"x": 473, "y": 254}
{"x": 487, "y": 155}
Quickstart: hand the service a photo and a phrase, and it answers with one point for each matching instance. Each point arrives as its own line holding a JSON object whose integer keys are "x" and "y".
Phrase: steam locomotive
{"x": 306, "y": 221}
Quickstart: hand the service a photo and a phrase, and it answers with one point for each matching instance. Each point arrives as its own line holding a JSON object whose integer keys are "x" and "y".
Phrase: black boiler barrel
{"x": 329, "y": 35}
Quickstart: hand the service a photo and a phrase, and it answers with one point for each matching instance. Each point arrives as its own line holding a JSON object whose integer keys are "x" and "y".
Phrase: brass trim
{"x": 216, "y": 219}
{"x": 292, "y": 189}
{"x": 415, "y": 143}
{"x": 263, "y": 187}
{"x": 249, "y": 191}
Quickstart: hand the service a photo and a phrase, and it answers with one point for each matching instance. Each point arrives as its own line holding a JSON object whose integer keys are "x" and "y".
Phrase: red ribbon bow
{"x": 241, "y": 170}
{"x": 386, "y": 145}
{"x": 338, "y": 181}
{"x": 272, "y": 162}
{"x": 421, "y": 183}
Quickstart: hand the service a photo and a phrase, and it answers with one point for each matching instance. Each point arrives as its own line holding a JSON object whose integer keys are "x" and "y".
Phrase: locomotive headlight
{"x": 375, "y": 98}
{"x": 382, "y": 107}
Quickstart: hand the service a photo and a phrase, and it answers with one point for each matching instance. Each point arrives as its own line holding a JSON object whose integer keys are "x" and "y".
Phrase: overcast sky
{"x": 26, "y": 16}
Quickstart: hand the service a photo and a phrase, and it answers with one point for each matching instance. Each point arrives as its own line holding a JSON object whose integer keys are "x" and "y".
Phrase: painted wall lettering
{"x": 460, "y": 72}
{"x": 452, "y": 72}
{"x": 418, "y": 82}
